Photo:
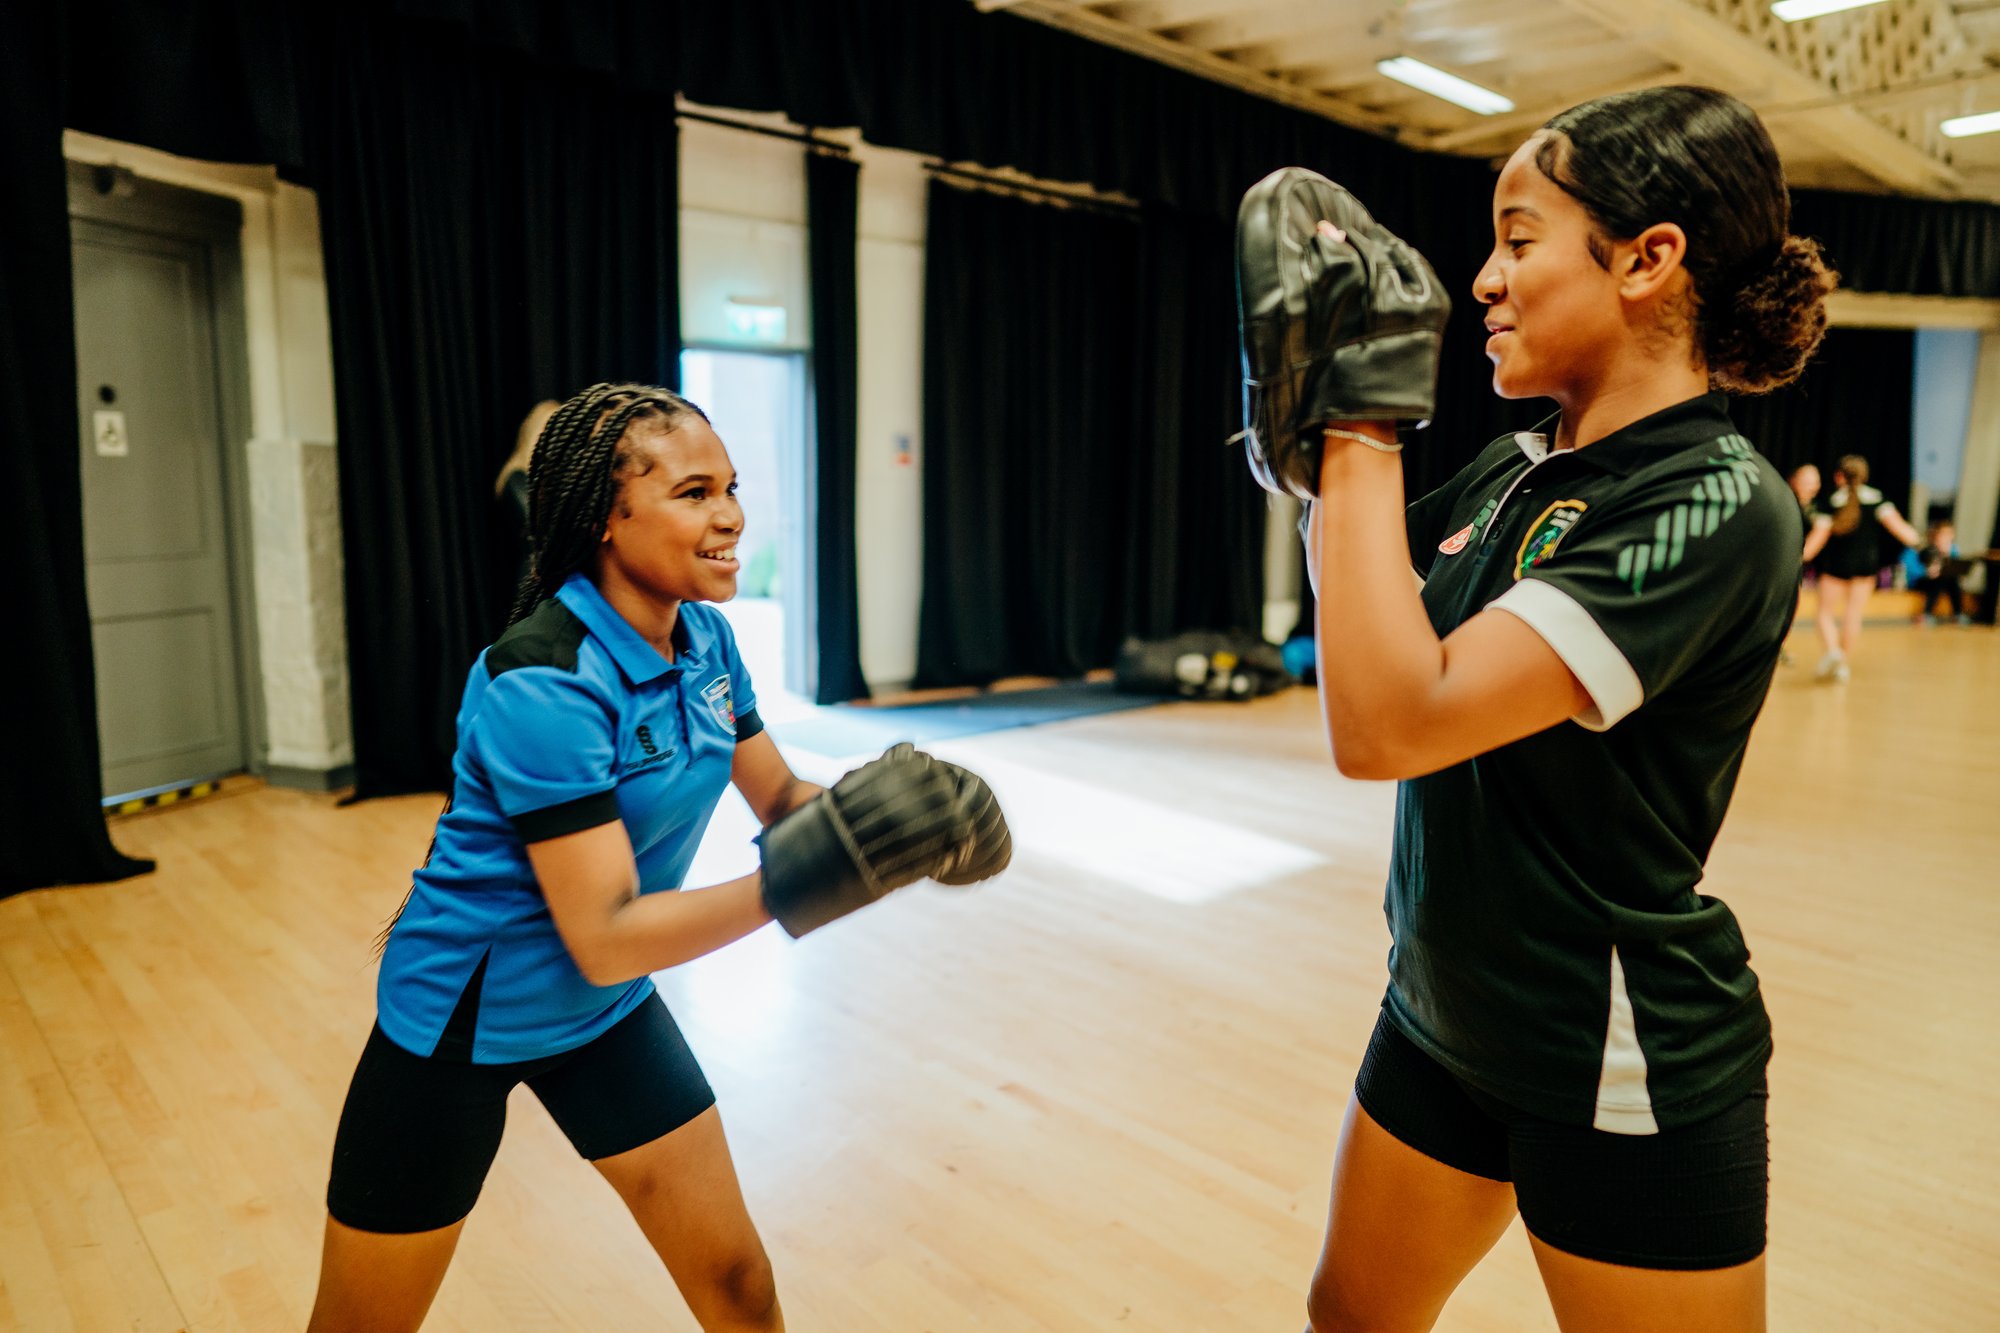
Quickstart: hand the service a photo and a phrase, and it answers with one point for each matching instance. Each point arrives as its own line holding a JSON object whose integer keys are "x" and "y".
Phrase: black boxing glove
{"x": 990, "y": 847}
{"x": 1340, "y": 321}
{"x": 891, "y": 822}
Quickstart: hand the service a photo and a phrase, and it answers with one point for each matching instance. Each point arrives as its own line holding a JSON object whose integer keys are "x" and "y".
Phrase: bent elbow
{"x": 598, "y": 968}
{"x": 1365, "y": 759}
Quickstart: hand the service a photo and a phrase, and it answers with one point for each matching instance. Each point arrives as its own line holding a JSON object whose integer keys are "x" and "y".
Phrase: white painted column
{"x": 1979, "y": 470}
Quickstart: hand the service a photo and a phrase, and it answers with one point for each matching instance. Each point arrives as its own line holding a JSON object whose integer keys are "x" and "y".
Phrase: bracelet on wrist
{"x": 1336, "y": 432}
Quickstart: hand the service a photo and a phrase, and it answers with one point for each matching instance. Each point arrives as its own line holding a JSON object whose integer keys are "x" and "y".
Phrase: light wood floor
{"x": 1099, "y": 1094}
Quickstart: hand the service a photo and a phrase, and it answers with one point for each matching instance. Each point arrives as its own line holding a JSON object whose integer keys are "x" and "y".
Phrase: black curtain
{"x": 241, "y": 81}
{"x": 52, "y": 828}
{"x": 831, "y": 202}
{"x": 1854, "y": 398}
{"x": 1195, "y": 521}
{"x": 493, "y": 236}
{"x": 1922, "y": 247}
{"x": 1080, "y": 382}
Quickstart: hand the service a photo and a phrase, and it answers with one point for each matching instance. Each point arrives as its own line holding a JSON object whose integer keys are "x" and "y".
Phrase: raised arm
{"x": 1397, "y": 700}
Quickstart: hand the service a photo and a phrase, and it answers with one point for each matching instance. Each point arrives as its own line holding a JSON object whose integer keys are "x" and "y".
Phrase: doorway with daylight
{"x": 757, "y": 402}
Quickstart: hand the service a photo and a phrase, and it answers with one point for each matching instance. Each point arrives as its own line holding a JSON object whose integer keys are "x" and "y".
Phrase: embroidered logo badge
{"x": 1455, "y": 543}
{"x": 716, "y": 693}
{"x": 1546, "y": 533}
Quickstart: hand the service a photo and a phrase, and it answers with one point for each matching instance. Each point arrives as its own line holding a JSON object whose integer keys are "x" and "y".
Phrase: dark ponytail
{"x": 573, "y": 477}
{"x": 1853, "y": 475}
{"x": 1702, "y": 160}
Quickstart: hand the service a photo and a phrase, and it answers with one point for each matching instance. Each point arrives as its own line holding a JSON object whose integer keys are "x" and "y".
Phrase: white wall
{"x": 294, "y": 483}
{"x": 743, "y": 216}
{"x": 889, "y": 511}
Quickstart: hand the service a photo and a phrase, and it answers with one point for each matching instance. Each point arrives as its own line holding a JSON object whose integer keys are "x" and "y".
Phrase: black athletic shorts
{"x": 1688, "y": 1198}
{"x": 418, "y": 1133}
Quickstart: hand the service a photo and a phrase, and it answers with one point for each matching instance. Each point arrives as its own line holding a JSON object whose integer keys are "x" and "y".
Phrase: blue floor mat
{"x": 846, "y": 730}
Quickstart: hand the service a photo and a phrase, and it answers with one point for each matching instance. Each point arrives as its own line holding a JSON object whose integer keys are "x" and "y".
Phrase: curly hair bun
{"x": 1761, "y": 339}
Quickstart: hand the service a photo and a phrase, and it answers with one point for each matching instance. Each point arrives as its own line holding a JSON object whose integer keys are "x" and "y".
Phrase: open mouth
{"x": 721, "y": 555}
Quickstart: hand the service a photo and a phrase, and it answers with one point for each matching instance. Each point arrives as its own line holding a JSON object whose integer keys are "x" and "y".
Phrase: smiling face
{"x": 1552, "y": 309}
{"x": 1570, "y": 310}
{"x": 674, "y": 525}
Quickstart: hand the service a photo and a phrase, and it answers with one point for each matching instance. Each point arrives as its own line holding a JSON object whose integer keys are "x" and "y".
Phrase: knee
{"x": 1331, "y": 1308}
{"x": 744, "y": 1288}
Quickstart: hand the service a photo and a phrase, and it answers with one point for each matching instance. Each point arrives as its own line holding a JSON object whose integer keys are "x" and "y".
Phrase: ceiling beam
{"x": 1512, "y": 123}
{"x": 1158, "y": 14}
{"x": 1887, "y": 310}
{"x": 1710, "y": 49}
{"x": 1141, "y": 41}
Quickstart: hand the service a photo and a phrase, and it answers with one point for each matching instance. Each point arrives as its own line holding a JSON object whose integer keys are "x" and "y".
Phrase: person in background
{"x": 510, "y": 487}
{"x": 1846, "y": 544}
{"x": 1805, "y": 482}
{"x": 1938, "y": 571}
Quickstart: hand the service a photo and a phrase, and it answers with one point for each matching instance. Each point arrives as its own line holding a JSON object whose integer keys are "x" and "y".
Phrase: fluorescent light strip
{"x": 1432, "y": 80}
{"x": 1791, "y": 11}
{"x": 1961, "y": 127}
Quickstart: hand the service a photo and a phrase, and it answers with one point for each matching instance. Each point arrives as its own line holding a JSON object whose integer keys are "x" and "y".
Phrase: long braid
{"x": 1854, "y": 470}
{"x": 572, "y": 480}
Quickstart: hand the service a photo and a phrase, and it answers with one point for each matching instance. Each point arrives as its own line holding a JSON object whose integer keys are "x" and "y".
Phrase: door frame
{"x": 117, "y": 197}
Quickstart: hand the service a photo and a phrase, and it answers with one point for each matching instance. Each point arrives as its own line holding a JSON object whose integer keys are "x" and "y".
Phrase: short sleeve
{"x": 742, "y": 692}
{"x": 546, "y": 742}
{"x": 1636, "y": 596}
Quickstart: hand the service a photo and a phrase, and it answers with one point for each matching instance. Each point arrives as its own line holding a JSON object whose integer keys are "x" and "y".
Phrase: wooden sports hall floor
{"x": 1099, "y": 1094}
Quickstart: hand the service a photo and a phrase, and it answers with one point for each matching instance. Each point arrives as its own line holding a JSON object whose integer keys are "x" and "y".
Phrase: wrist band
{"x": 1368, "y": 440}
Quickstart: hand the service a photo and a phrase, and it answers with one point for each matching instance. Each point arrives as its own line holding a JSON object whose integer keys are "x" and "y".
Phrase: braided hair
{"x": 573, "y": 478}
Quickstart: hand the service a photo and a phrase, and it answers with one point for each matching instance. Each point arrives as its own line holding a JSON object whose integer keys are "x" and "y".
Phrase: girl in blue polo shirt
{"x": 594, "y": 740}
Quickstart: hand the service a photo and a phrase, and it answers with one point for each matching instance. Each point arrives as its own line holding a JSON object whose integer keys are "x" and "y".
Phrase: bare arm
{"x": 1822, "y": 528}
{"x": 612, "y": 931}
{"x": 767, "y": 781}
{"x": 592, "y": 886}
{"x": 1899, "y": 526}
{"x": 1397, "y": 700}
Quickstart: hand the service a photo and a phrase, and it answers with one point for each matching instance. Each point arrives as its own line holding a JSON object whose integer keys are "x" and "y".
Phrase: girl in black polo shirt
{"x": 1572, "y": 1031}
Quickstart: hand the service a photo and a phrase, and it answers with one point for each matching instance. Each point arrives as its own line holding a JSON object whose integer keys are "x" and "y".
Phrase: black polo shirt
{"x": 1551, "y": 943}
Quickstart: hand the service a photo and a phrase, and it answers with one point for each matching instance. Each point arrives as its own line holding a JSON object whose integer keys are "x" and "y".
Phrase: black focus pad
{"x": 1340, "y": 321}
{"x": 991, "y": 847}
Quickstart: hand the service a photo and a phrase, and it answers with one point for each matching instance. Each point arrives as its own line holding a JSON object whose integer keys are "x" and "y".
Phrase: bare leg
{"x": 1832, "y": 603}
{"x": 1593, "y": 1297}
{"x": 1858, "y": 591}
{"x": 370, "y": 1282}
{"x": 1402, "y": 1232}
{"x": 682, "y": 1190}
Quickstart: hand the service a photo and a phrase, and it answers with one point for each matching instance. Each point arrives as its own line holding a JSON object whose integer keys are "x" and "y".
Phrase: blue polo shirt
{"x": 570, "y": 720}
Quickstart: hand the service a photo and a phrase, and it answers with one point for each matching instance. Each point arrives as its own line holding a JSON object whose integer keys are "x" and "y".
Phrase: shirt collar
{"x": 639, "y": 660}
{"x": 1623, "y": 452}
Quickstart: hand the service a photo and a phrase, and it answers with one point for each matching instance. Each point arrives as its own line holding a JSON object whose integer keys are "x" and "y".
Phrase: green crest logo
{"x": 1546, "y": 533}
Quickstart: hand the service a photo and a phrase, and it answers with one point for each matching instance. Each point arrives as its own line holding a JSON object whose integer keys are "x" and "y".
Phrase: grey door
{"x": 156, "y": 522}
